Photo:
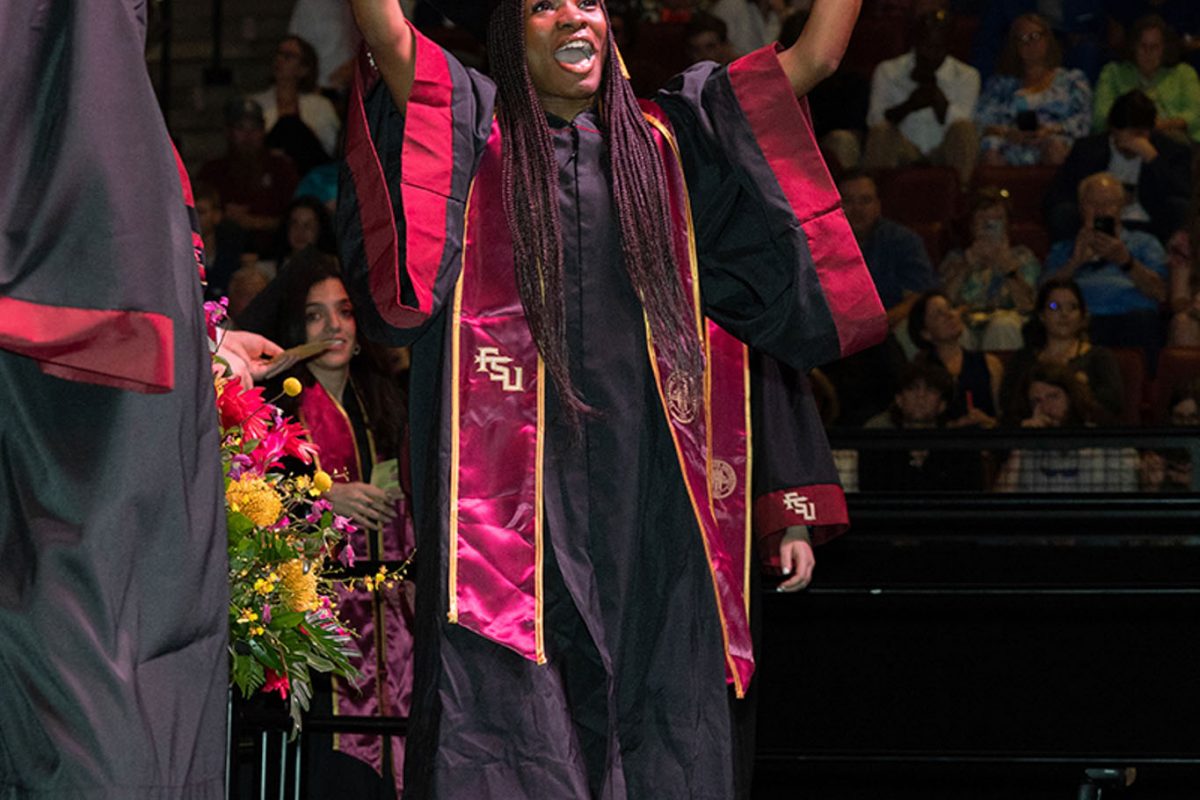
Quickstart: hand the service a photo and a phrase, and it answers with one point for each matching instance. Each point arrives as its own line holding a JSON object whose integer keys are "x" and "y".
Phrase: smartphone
{"x": 1027, "y": 120}
{"x": 1106, "y": 225}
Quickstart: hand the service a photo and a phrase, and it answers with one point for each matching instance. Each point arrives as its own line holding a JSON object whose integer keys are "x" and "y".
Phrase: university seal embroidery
{"x": 724, "y": 479}
{"x": 683, "y": 399}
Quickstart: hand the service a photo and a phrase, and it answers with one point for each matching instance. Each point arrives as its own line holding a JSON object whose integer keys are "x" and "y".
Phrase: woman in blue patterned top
{"x": 1032, "y": 110}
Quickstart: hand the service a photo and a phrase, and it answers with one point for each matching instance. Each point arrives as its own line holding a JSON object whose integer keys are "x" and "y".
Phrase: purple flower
{"x": 239, "y": 465}
{"x": 266, "y": 614}
{"x": 347, "y": 555}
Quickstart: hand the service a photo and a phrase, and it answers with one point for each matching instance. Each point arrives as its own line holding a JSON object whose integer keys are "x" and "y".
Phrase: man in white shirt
{"x": 921, "y": 105}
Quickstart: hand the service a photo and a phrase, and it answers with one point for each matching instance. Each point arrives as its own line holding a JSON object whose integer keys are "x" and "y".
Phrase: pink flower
{"x": 347, "y": 554}
{"x": 343, "y": 524}
{"x": 214, "y": 314}
{"x": 266, "y": 614}
{"x": 277, "y": 683}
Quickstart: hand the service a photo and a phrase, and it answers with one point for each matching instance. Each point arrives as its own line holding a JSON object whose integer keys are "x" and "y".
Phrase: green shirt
{"x": 1174, "y": 90}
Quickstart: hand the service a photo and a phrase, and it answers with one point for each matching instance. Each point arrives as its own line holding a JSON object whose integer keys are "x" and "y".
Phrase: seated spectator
{"x": 1080, "y": 28}
{"x": 1057, "y": 334}
{"x": 1122, "y": 273}
{"x": 900, "y": 268}
{"x": 1054, "y": 397}
{"x": 706, "y": 39}
{"x": 255, "y": 183}
{"x": 329, "y": 26}
{"x": 1171, "y": 470}
{"x": 306, "y": 224}
{"x": 1181, "y": 16}
{"x": 922, "y": 105}
{"x": 838, "y": 105}
{"x": 895, "y": 255}
{"x": 299, "y": 121}
{"x": 1032, "y": 110}
{"x": 936, "y": 327}
{"x": 223, "y": 240}
{"x": 1154, "y": 169}
{"x": 991, "y": 278}
{"x": 750, "y": 24}
{"x": 1183, "y": 290}
{"x": 1174, "y": 87}
{"x": 920, "y": 404}
{"x": 244, "y": 285}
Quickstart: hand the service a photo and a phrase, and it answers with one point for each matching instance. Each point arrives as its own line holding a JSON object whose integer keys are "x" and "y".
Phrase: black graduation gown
{"x": 633, "y": 700}
{"x": 113, "y": 594}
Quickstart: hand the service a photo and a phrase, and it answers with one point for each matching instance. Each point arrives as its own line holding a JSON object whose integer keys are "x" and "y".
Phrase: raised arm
{"x": 816, "y": 54}
{"x": 391, "y": 42}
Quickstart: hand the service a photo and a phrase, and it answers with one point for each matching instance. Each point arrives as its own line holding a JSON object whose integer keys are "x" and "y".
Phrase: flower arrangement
{"x": 283, "y": 623}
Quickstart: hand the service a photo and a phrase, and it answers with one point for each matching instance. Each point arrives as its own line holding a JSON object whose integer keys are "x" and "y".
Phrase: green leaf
{"x": 265, "y": 655}
{"x": 285, "y": 619}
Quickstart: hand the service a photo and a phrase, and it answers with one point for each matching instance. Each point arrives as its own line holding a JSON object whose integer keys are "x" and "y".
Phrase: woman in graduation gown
{"x": 353, "y": 411}
{"x": 571, "y": 268}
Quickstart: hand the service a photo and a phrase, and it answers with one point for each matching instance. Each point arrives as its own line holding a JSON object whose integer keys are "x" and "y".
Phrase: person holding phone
{"x": 991, "y": 277}
{"x": 1033, "y": 109}
{"x": 1121, "y": 272}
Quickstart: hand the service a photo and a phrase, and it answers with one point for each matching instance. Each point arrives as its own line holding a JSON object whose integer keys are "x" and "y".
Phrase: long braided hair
{"x": 530, "y": 180}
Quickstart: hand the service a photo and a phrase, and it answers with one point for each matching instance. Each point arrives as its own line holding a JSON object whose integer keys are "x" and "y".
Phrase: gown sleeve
{"x": 403, "y": 189}
{"x": 795, "y": 480}
{"x": 779, "y": 265}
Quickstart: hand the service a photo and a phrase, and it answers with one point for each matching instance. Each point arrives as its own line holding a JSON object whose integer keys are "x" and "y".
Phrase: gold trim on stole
{"x": 702, "y": 334}
{"x": 455, "y": 390}
{"x": 748, "y": 488}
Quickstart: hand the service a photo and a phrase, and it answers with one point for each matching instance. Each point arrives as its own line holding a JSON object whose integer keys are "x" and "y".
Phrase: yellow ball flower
{"x": 255, "y": 498}
{"x": 292, "y": 387}
{"x": 299, "y": 580}
{"x": 322, "y": 482}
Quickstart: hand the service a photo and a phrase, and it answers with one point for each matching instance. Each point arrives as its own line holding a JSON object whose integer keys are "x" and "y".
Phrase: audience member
{"x": 922, "y": 104}
{"x": 1174, "y": 87}
{"x": 1183, "y": 291}
{"x": 838, "y": 105}
{"x": 1053, "y": 396}
{"x": 299, "y": 121}
{"x": 706, "y": 39}
{"x": 936, "y": 327}
{"x": 306, "y": 223}
{"x": 1171, "y": 470}
{"x": 329, "y": 26}
{"x": 244, "y": 285}
{"x": 750, "y": 24}
{"x": 900, "y": 268}
{"x": 1122, "y": 273}
{"x": 919, "y": 404}
{"x": 1032, "y": 110}
{"x": 993, "y": 279}
{"x": 223, "y": 240}
{"x": 1057, "y": 334}
{"x": 895, "y": 255}
{"x": 1154, "y": 169}
{"x": 255, "y": 183}
{"x": 1079, "y": 25}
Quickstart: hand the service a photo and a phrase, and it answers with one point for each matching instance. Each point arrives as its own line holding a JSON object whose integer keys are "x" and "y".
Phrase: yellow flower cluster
{"x": 266, "y": 585}
{"x": 254, "y": 497}
{"x": 299, "y": 585}
{"x": 379, "y": 580}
